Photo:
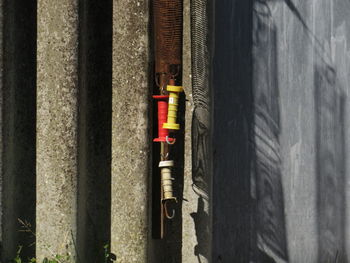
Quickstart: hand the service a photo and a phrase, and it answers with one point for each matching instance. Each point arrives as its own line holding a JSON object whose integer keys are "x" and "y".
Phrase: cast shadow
{"x": 330, "y": 151}
{"x": 18, "y": 131}
{"x": 232, "y": 130}
{"x": 270, "y": 236}
{"x": 330, "y": 164}
{"x": 201, "y": 181}
{"x": 94, "y": 132}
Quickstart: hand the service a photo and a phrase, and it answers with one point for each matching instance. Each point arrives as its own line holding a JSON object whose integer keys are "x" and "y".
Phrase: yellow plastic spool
{"x": 173, "y": 107}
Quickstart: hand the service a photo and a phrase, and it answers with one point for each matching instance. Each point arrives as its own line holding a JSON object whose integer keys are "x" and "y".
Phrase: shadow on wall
{"x": 253, "y": 114}
{"x": 18, "y": 121}
{"x": 232, "y": 131}
{"x": 330, "y": 145}
{"x": 200, "y": 177}
{"x": 267, "y": 192}
{"x": 330, "y": 165}
{"x": 95, "y": 120}
{"x": 330, "y": 151}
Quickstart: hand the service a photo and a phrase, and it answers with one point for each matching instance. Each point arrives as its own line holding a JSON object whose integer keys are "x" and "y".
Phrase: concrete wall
{"x": 308, "y": 78}
{"x": 277, "y": 143}
{"x": 290, "y": 122}
{"x": 92, "y": 133}
{"x": 312, "y": 71}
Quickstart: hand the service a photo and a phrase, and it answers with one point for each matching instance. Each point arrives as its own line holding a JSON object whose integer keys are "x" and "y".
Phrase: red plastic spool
{"x": 162, "y": 117}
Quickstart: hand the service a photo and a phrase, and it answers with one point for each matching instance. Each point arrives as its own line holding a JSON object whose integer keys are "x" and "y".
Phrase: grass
{"x": 55, "y": 259}
{"x": 26, "y": 227}
{"x": 108, "y": 257}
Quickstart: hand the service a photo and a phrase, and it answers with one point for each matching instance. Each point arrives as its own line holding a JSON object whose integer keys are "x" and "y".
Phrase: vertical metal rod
{"x": 164, "y": 153}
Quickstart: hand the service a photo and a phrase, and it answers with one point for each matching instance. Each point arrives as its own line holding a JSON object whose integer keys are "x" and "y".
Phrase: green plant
{"x": 57, "y": 259}
{"x": 18, "y": 259}
{"x": 26, "y": 227}
{"x": 108, "y": 256}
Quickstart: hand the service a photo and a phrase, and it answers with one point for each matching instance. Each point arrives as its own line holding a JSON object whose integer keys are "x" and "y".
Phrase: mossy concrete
{"x": 56, "y": 127}
{"x": 130, "y": 131}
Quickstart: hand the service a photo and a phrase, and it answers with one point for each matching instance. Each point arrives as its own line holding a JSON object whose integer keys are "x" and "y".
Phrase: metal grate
{"x": 168, "y": 34}
{"x": 201, "y": 96}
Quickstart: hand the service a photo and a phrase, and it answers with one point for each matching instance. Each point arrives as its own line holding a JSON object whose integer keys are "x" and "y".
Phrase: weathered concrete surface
{"x": 130, "y": 130}
{"x": 57, "y": 127}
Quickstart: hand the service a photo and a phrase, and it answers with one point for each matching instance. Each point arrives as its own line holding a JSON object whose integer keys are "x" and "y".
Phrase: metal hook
{"x": 157, "y": 77}
{"x": 164, "y": 156}
{"x": 157, "y": 80}
{"x": 166, "y": 210}
{"x": 169, "y": 142}
{"x": 176, "y": 73}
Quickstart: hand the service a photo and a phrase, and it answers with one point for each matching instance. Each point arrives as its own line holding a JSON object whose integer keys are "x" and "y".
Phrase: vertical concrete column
{"x": 130, "y": 130}
{"x": 56, "y": 127}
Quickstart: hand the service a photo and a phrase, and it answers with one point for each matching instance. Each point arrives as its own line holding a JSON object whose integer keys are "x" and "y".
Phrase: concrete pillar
{"x": 57, "y": 127}
{"x": 130, "y": 130}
